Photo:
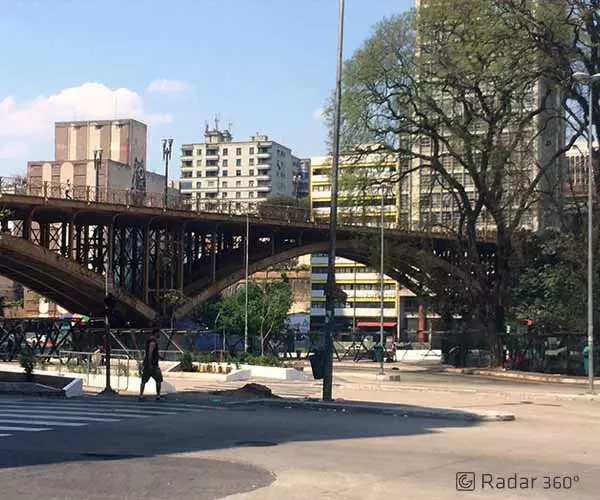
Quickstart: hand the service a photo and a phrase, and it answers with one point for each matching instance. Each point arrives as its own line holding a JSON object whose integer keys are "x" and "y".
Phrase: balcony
{"x": 263, "y": 166}
{"x": 212, "y": 156}
{"x": 263, "y": 153}
{"x": 186, "y": 152}
{"x": 263, "y": 177}
{"x": 264, "y": 189}
{"x": 212, "y": 168}
{"x": 210, "y": 189}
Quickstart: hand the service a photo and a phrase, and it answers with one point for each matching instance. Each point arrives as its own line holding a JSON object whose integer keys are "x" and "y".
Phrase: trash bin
{"x": 317, "y": 363}
{"x": 378, "y": 351}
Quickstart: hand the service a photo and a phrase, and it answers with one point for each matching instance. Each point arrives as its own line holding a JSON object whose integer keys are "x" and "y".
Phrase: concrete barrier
{"x": 419, "y": 355}
{"x": 275, "y": 372}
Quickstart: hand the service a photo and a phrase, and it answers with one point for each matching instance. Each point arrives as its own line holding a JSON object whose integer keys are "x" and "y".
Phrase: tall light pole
{"x": 590, "y": 80}
{"x": 330, "y": 290}
{"x": 382, "y": 288}
{"x": 246, "y": 287}
{"x": 97, "y": 165}
{"x": 167, "y": 147}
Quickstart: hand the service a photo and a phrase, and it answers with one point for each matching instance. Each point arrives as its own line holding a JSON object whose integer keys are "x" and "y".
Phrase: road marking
{"x": 58, "y": 417}
{"x": 5, "y": 435}
{"x": 24, "y": 429}
{"x": 48, "y": 410}
{"x": 141, "y": 408}
{"x": 41, "y": 421}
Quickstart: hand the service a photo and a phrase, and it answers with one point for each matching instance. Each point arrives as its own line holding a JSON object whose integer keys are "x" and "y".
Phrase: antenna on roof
{"x": 217, "y": 120}
{"x": 206, "y": 126}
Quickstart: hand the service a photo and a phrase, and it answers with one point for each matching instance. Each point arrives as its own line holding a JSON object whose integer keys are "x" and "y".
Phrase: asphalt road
{"x": 179, "y": 451}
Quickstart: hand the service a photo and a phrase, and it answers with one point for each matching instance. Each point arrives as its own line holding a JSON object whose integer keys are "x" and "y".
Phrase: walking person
{"x": 150, "y": 366}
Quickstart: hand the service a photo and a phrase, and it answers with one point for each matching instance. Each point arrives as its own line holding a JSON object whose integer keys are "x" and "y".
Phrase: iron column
{"x": 330, "y": 291}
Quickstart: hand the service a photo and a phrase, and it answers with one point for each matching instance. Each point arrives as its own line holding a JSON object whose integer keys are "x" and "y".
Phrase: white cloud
{"x": 319, "y": 114}
{"x": 85, "y": 102}
{"x": 31, "y": 122}
{"x": 13, "y": 150}
{"x": 165, "y": 86}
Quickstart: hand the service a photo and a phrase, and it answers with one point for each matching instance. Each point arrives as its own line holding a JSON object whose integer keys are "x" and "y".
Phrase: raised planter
{"x": 275, "y": 372}
{"x": 42, "y": 384}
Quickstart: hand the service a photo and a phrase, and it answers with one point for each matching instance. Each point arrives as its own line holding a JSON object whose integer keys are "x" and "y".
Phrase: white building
{"x": 236, "y": 173}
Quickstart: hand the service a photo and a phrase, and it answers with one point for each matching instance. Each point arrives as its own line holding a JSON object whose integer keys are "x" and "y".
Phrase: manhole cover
{"x": 256, "y": 443}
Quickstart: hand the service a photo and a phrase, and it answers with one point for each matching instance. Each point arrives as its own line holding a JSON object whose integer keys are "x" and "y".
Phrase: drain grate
{"x": 256, "y": 444}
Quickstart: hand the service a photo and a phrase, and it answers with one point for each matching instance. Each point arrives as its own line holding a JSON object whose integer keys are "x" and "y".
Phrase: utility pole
{"x": 330, "y": 291}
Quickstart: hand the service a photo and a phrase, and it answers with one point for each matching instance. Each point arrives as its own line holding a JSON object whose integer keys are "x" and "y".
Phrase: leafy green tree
{"x": 268, "y": 305}
{"x": 451, "y": 91}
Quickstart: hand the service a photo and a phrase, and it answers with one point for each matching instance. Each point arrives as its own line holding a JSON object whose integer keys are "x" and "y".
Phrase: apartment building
{"x": 575, "y": 181}
{"x": 426, "y": 200}
{"x": 235, "y": 173}
{"x": 72, "y": 172}
{"x": 364, "y": 182}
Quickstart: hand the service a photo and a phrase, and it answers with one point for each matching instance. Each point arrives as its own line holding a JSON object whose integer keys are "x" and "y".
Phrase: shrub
{"x": 27, "y": 362}
{"x": 187, "y": 362}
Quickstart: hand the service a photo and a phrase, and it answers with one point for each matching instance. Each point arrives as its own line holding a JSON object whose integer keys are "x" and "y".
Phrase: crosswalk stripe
{"x": 62, "y": 417}
{"x": 82, "y": 411}
{"x": 5, "y": 435}
{"x": 24, "y": 429}
{"x": 41, "y": 421}
{"x": 108, "y": 410}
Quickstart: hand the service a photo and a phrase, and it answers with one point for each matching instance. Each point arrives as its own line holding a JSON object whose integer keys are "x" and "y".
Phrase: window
{"x": 251, "y": 171}
{"x": 238, "y": 173}
{"x": 238, "y": 195}
{"x": 250, "y": 194}
{"x": 199, "y": 152}
{"x": 251, "y": 151}
{"x": 225, "y": 152}
{"x": 198, "y": 173}
{"x": 211, "y": 174}
{"x": 198, "y": 185}
{"x": 224, "y": 184}
{"x": 198, "y": 163}
{"x": 186, "y": 185}
{"x": 251, "y": 162}
{"x": 224, "y": 163}
{"x": 224, "y": 173}
{"x": 238, "y": 206}
{"x": 211, "y": 183}
{"x": 224, "y": 195}
{"x": 238, "y": 162}
{"x": 238, "y": 184}
{"x": 238, "y": 151}
{"x": 250, "y": 183}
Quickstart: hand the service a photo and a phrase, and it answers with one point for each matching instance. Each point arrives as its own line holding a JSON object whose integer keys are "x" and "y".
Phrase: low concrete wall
{"x": 275, "y": 372}
{"x": 418, "y": 355}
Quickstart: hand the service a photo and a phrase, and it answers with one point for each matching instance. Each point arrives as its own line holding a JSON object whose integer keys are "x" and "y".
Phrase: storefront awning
{"x": 375, "y": 323}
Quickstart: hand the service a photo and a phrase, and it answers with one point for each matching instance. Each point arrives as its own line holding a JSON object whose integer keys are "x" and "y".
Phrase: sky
{"x": 264, "y": 66}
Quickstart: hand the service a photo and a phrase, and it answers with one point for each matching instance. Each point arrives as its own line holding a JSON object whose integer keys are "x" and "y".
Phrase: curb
{"x": 389, "y": 410}
{"x": 558, "y": 379}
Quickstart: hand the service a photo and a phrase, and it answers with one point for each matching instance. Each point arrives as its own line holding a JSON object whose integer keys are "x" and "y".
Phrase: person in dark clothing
{"x": 150, "y": 367}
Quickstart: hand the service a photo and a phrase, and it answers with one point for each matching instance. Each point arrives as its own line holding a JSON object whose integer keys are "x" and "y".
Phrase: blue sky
{"x": 264, "y": 65}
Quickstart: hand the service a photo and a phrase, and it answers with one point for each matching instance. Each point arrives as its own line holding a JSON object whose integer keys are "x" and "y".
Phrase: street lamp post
{"x": 590, "y": 80}
{"x": 167, "y": 147}
{"x": 247, "y": 284}
{"x": 330, "y": 290}
{"x": 97, "y": 165}
{"x": 382, "y": 287}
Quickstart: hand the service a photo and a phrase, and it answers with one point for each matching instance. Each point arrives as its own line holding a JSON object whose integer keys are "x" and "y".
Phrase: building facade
{"x": 575, "y": 181}
{"x": 122, "y": 171}
{"x": 233, "y": 173}
{"x": 360, "y": 197}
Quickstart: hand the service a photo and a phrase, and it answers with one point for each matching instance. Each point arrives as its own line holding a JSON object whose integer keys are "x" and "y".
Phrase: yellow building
{"x": 363, "y": 182}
